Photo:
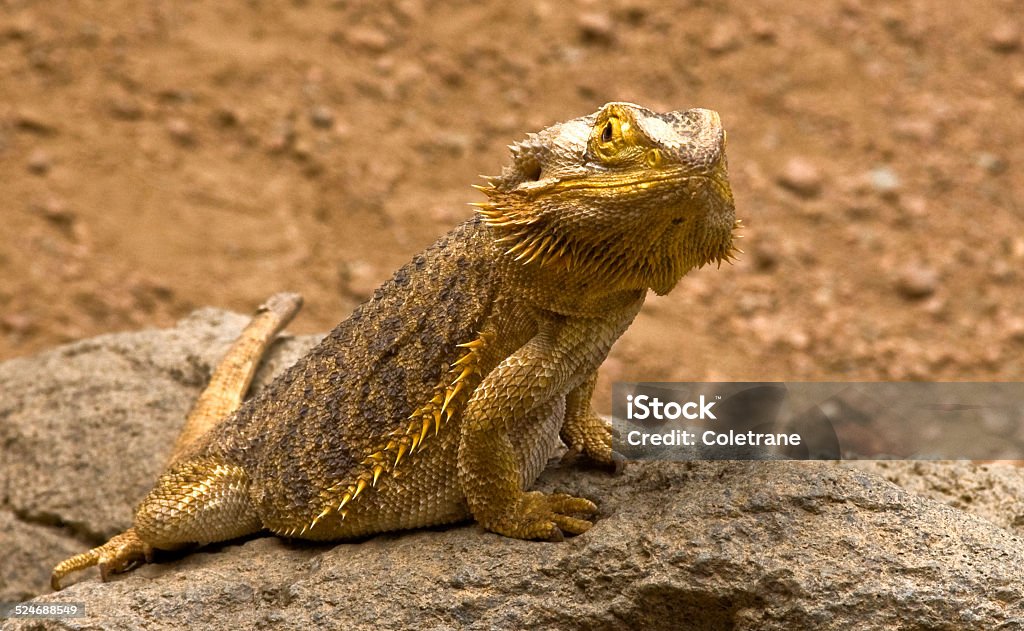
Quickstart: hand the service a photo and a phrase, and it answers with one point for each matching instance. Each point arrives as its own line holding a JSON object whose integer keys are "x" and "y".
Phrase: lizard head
{"x": 632, "y": 198}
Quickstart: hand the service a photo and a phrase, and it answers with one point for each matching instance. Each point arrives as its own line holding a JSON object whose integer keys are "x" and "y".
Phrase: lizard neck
{"x": 561, "y": 290}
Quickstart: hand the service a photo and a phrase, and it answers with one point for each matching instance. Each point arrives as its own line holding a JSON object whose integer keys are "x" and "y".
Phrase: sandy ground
{"x": 156, "y": 157}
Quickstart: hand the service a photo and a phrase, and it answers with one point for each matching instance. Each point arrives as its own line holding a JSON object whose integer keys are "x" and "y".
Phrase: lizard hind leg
{"x": 196, "y": 503}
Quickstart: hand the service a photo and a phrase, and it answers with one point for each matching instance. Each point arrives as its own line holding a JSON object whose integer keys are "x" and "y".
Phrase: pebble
{"x": 176, "y": 95}
{"x": 919, "y": 129}
{"x": 1004, "y": 38}
{"x": 410, "y": 10}
{"x": 56, "y": 211}
{"x": 368, "y": 38}
{"x": 19, "y": 323}
{"x": 596, "y": 27}
{"x": 766, "y": 253}
{"x": 321, "y": 116}
{"x": 302, "y": 149}
{"x": 762, "y": 29}
{"x": 228, "y": 116}
{"x": 181, "y": 131}
{"x": 797, "y": 339}
{"x": 451, "y": 142}
{"x": 1013, "y": 328}
{"x": 1002, "y": 271}
{"x": 992, "y": 163}
{"x": 282, "y": 137}
{"x": 358, "y": 278}
{"x": 802, "y": 177}
{"x": 39, "y": 162}
{"x": 1016, "y": 247}
{"x": 1017, "y": 84}
{"x": 724, "y": 37}
{"x": 22, "y": 27}
{"x": 885, "y": 181}
{"x": 936, "y": 306}
{"x": 32, "y": 121}
{"x": 125, "y": 108}
{"x": 914, "y": 205}
{"x": 917, "y": 281}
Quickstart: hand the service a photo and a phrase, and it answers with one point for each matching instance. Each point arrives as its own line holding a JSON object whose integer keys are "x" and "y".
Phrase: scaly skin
{"x": 442, "y": 398}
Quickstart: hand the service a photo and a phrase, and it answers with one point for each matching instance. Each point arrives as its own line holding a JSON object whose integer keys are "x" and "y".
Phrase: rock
{"x": 704, "y": 545}
{"x": 917, "y": 281}
{"x": 63, "y": 438}
{"x": 994, "y": 492}
{"x": 802, "y": 177}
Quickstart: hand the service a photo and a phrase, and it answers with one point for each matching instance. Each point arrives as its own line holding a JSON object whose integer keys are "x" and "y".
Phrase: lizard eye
{"x": 607, "y": 138}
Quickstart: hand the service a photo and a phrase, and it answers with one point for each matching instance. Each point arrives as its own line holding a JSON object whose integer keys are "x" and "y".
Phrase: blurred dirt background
{"x": 156, "y": 157}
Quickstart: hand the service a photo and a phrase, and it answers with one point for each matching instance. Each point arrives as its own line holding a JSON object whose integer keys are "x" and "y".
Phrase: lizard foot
{"x": 546, "y": 516}
{"x": 592, "y": 439}
{"x": 120, "y": 554}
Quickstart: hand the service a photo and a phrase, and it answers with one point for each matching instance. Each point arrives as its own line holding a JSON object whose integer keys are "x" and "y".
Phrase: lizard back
{"x": 320, "y": 419}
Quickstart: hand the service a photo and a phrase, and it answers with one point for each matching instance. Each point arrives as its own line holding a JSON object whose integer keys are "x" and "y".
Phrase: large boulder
{"x": 85, "y": 429}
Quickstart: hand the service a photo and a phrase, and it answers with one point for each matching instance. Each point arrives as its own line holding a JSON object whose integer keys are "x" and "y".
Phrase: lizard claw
{"x": 546, "y": 517}
{"x": 618, "y": 463}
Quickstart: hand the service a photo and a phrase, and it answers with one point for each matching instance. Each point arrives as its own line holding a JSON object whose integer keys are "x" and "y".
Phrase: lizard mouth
{"x": 608, "y": 182}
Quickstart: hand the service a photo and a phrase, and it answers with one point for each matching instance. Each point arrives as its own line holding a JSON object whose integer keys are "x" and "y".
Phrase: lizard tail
{"x": 232, "y": 377}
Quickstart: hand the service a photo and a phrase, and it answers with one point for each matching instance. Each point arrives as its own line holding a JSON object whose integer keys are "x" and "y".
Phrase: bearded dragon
{"x": 442, "y": 398}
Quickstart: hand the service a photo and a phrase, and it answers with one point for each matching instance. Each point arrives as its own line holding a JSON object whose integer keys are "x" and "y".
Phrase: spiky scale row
{"x": 406, "y": 440}
{"x": 529, "y": 242}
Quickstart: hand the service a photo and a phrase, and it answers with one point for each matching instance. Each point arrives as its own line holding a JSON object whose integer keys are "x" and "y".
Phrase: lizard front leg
{"x": 522, "y": 385}
{"x": 583, "y": 431}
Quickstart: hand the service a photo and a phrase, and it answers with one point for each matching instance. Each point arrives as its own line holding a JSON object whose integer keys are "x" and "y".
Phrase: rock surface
{"x": 84, "y": 430}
